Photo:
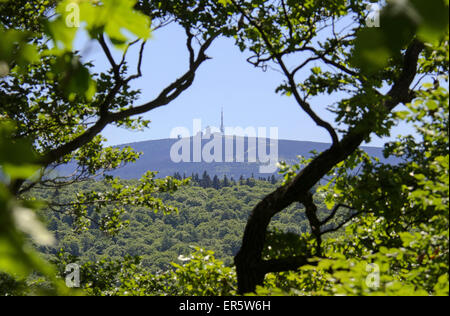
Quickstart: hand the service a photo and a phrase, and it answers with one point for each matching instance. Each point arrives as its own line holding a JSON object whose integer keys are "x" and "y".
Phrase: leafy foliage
{"x": 402, "y": 231}
{"x": 200, "y": 274}
{"x": 48, "y": 102}
{"x": 17, "y": 257}
{"x": 392, "y": 238}
{"x": 400, "y": 21}
{"x": 206, "y": 217}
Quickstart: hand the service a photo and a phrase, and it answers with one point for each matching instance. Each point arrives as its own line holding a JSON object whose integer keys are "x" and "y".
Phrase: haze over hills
{"x": 157, "y": 156}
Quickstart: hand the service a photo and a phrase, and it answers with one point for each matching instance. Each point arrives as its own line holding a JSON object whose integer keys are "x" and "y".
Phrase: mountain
{"x": 236, "y": 156}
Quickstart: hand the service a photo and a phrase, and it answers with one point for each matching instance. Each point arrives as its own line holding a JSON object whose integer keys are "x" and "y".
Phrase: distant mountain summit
{"x": 157, "y": 156}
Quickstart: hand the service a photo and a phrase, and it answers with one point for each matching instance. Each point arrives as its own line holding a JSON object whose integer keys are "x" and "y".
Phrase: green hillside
{"x": 210, "y": 218}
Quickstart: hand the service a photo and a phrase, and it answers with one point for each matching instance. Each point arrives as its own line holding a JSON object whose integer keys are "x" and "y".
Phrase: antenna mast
{"x": 222, "y": 128}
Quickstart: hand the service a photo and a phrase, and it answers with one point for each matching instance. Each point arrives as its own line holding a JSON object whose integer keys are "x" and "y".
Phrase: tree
{"x": 401, "y": 236}
{"x": 273, "y": 180}
{"x": 52, "y": 108}
{"x": 359, "y": 62}
{"x": 216, "y": 182}
{"x": 206, "y": 181}
{"x": 196, "y": 178}
{"x": 226, "y": 182}
{"x": 61, "y": 108}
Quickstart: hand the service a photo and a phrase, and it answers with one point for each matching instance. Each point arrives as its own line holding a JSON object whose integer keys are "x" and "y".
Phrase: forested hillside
{"x": 209, "y": 218}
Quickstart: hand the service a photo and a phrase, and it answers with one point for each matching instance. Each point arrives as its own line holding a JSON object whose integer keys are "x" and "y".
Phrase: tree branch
{"x": 171, "y": 92}
{"x": 279, "y": 58}
{"x": 106, "y": 50}
{"x": 336, "y": 228}
{"x": 139, "y": 65}
{"x": 333, "y": 213}
{"x": 248, "y": 260}
{"x": 311, "y": 215}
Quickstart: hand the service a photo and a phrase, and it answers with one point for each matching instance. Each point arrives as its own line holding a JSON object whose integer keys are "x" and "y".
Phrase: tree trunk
{"x": 250, "y": 267}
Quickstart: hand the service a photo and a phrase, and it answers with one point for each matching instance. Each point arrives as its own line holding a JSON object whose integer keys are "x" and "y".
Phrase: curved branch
{"x": 171, "y": 92}
{"x": 314, "y": 222}
{"x": 279, "y": 58}
{"x": 249, "y": 265}
{"x": 336, "y": 228}
{"x": 333, "y": 213}
{"x": 139, "y": 64}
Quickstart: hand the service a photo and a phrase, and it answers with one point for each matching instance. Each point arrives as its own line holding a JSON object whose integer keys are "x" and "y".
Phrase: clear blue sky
{"x": 247, "y": 94}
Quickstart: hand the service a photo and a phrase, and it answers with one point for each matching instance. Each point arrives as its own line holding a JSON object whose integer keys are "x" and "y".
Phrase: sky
{"x": 247, "y": 94}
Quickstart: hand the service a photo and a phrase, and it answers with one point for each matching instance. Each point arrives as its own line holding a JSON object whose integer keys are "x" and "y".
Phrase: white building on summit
{"x": 226, "y": 144}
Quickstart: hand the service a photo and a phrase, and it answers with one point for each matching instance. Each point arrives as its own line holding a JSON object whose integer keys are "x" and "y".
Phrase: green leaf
{"x": 12, "y": 261}
{"x": 435, "y": 17}
{"x": 62, "y": 35}
{"x": 20, "y": 172}
{"x": 371, "y": 53}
